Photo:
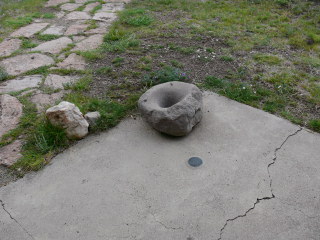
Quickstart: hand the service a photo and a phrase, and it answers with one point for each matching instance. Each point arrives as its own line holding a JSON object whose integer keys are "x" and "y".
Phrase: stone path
{"x": 72, "y": 29}
{"x": 259, "y": 180}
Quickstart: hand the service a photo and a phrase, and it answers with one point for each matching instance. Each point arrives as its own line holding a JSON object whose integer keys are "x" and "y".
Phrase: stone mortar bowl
{"x": 173, "y": 108}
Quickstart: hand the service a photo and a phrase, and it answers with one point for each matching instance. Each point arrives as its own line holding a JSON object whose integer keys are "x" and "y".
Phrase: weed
{"x": 26, "y": 43}
{"x": 314, "y": 125}
{"x": 104, "y": 70}
{"x": 167, "y": 74}
{"x": 268, "y": 59}
{"x": 46, "y": 37}
{"x": 117, "y": 61}
{"x": 3, "y": 74}
{"x": 91, "y": 55}
{"x": 227, "y": 58}
{"x": 135, "y": 17}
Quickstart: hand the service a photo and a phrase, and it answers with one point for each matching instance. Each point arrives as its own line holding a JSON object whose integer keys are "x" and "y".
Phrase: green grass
{"x": 166, "y": 74}
{"x": 267, "y": 59}
{"x": 27, "y": 43}
{"x": 135, "y": 17}
{"x": 3, "y": 74}
{"x": 314, "y": 125}
{"x": 46, "y": 37}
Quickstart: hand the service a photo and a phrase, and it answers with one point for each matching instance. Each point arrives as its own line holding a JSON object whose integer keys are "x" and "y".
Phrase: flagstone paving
{"x": 70, "y": 24}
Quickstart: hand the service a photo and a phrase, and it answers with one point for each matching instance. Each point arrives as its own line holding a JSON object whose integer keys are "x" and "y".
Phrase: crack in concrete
{"x": 164, "y": 225}
{"x": 25, "y": 230}
{"x": 274, "y": 159}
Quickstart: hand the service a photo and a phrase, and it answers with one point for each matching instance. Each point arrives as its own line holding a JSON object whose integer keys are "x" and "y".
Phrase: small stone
{"x": 112, "y": 7}
{"x": 29, "y": 30}
{"x": 76, "y": 29}
{"x": 20, "y": 83}
{"x": 10, "y": 113}
{"x": 8, "y": 46}
{"x": 54, "y": 46}
{"x": 23, "y": 63}
{"x": 53, "y": 3}
{"x": 70, "y": 6}
{"x": 73, "y": 61}
{"x": 90, "y": 43}
{"x": 78, "y": 16}
{"x": 54, "y": 30}
{"x": 10, "y": 154}
{"x": 90, "y": 6}
{"x": 43, "y": 100}
{"x": 103, "y": 28}
{"x": 69, "y": 117}
{"x": 173, "y": 108}
{"x": 105, "y": 16}
{"x": 58, "y": 82}
{"x": 92, "y": 117}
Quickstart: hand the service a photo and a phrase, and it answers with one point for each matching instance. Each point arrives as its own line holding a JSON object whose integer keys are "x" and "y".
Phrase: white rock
{"x": 53, "y": 46}
{"x": 8, "y": 46}
{"x": 55, "y": 30}
{"x": 43, "y": 100}
{"x": 78, "y": 16}
{"x": 112, "y": 7}
{"x": 23, "y": 63}
{"x": 92, "y": 117}
{"x": 89, "y": 43}
{"x": 10, "y": 113}
{"x": 20, "y": 83}
{"x": 69, "y": 117}
{"x": 76, "y": 29}
{"x": 58, "y": 82}
{"x": 29, "y": 30}
{"x": 73, "y": 61}
{"x": 105, "y": 16}
{"x": 70, "y": 6}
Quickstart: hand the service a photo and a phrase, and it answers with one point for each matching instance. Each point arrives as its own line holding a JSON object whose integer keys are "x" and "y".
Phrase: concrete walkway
{"x": 260, "y": 180}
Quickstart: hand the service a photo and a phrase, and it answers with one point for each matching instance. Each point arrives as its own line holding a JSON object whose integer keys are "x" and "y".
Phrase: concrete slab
{"x": 132, "y": 182}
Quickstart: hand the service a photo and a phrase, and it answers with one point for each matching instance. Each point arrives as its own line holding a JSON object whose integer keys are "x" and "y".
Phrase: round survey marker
{"x": 195, "y": 161}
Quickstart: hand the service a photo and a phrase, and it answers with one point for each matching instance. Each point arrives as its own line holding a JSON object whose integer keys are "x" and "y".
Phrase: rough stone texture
{"x": 57, "y": 82}
{"x": 43, "y": 100}
{"x": 10, "y": 113}
{"x": 92, "y": 117}
{"x": 60, "y": 14}
{"x": 139, "y": 185}
{"x": 70, "y": 6}
{"x": 173, "y": 108}
{"x": 78, "y": 16}
{"x": 78, "y": 38}
{"x": 53, "y": 3}
{"x": 73, "y": 61}
{"x": 103, "y": 28}
{"x": 55, "y": 30}
{"x": 90, "y": 6}
{"x": 29, "y": 30}
{"x": 20, "y": 83}
{"x": 69, "y": 117}
{"x": 105, "y": 16}
{"x": 89, "y": 43}
{"x": 53, "y": 46}
{"x": 23, "y": 63}
{"x": 76, "y": 29}
{"x": 112, "y": 7}
{"x": 9, "y": 154}
{"x": 8, "y": 46}
{"x": 81, "y": 1}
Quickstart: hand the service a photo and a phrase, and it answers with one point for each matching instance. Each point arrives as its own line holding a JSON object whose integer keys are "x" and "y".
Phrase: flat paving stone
{"x": 90, "y": 6}
{"x": 89, "y": 43}
{"x": 112, "y": 7}
{"x": 21, "y": 83}
{"x": 78, "y": 16}
{"x": 53, "y": 3}
{"x": 10, "y": 113}
{"x": 81, "y": 1}
{"x": 76, "y": 29}
{"x": 58, "y": 82}
{"x": 105, "y": 16}
{"x": 144, "y": 188}
{"x": 29, "y": 30}
{"x": 44, "y": 101}
{"x": 8, "y": 46}
{"x": 60, "y": 15}
{"x": 78, "y": 38}
{"x": 23, "y": 63}
{"x": 53, "y": 46}
{"x": 70, "y": 6}
{"x": 55, "y": 30}
{"x": 73, "y": 61}
{"x": 103, "y": 28}
{"x": 10, "y": 154}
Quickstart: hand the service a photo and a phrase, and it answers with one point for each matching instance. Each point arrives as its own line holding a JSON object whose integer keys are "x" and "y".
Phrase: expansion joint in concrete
{"x": 274, "y": 159}
{"x": 4, "y": 209}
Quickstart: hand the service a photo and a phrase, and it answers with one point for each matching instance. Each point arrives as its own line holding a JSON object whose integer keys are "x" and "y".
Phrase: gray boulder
{"x": 173, "y": 108}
